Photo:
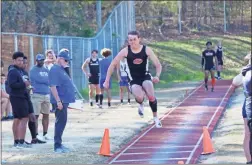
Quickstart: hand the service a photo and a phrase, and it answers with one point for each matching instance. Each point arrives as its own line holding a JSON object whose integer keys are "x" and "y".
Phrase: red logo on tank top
{"x": 138, "y": 61}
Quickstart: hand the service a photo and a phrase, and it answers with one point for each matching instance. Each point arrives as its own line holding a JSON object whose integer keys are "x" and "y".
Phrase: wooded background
{"x": 153, "y": 18}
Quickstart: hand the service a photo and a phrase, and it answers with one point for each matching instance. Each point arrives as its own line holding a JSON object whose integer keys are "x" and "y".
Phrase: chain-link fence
{"x": 112, "y": 35}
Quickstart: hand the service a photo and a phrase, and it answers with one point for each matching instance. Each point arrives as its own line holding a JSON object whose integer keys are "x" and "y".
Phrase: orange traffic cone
{"x": 207, "y": 143}
{"x": 105, "y": 146}
{"x": 181, "y": 162}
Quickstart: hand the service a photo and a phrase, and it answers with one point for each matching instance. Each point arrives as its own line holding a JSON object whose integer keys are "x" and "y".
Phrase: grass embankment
{"x": 181, "y": 59}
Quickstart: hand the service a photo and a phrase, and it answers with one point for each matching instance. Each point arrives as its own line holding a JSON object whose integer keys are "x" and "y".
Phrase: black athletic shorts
{"x": 139, "y": 81}
{"x": 20, "y": 107}
{"x": 93, "y": 80}
{"x": 209, "y": 67}
{"x": 220, "y": 62}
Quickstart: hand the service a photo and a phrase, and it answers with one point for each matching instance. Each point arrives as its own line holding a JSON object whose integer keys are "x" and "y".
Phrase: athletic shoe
{"x": 3, "y": 162}
{"x": 37, "y": 141}
{"x": 24, "y": 145}
{"x": 219, "y": 78}
{"x": 47, "y": 137}
{"x": 15, "y": 144}
{"x": 59, "y": 150}
{"x": 206, "y": 87}
{"x": 249, "y": 162}
{"x": 128, "y": 103}
{"x": 97, "y": 105}
{"x": 158, "y": 123}
{"x": 65, "y": 149}
{"x": 4, "y": 118}
{"x": 9, "y": 117}
{"x": 141, "y": 110}
{"x": 212, "y": 89}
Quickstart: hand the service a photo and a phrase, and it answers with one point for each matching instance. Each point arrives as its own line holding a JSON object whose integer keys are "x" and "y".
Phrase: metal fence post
{"x": 225, "y": 26}
{"x": 179, "y": 15}
{"x": 31, "y": 52}
{"x": 57, "y": 45}
{"x": 111, "y": 37}
{"x": 15, "y": 42}
{"x": 129, "y": 15}
{"x": 83, "y": 84}
{"x": 116, "y": 28}
{"x": 121, "y": 35}
{"x": 104, "y": 40}
{"x": 71, "y": 55}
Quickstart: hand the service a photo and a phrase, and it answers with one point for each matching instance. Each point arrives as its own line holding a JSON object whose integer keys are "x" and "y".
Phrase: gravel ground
{"x": 84, "y": 130}
{"x": 228, "y": 135}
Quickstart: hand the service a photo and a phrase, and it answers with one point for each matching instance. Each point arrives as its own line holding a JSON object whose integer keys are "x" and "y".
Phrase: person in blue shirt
{"x": 41, "y": 93}
{"x": 62, "y": 89}
{"x": 104, "y": 65}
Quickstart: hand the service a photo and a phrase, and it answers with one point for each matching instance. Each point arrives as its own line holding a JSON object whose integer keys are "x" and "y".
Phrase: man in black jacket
{"x": 19, "y": 99}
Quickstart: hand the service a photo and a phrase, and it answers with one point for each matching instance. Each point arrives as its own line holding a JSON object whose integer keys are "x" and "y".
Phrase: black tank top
{"x": 94, "y": 67}
{"x": 219, "y": 52}
{"x": 137, "y": 64}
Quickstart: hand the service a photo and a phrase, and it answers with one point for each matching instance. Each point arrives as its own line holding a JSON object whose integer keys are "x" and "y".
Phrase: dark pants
{"x": 60, "y": 123}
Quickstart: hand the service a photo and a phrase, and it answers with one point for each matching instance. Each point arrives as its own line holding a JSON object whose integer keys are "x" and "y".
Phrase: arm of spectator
{"x": 53, "y": 82}
{"x": 4, "y": 94}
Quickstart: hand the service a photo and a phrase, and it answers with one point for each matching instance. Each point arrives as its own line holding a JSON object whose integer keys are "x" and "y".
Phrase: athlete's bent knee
{"x": 139, "y": 100}
{"x": 151, "y": 98}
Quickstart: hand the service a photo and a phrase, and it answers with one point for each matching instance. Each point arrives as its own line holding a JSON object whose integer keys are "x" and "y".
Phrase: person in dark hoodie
{"x": 19, "y": 99}
{"x": 247, "y": 110}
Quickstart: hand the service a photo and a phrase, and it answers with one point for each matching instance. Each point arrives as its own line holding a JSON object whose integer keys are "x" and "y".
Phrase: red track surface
{"x": 181, "y": 136}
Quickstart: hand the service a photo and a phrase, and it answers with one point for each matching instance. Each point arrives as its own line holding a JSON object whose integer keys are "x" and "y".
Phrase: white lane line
{"x": 209, "y": 123}
{"x": 162, "y": 147}
{"x": 143, "y": 160}
{"x": 113, "y": 160}
{"x": 145, "y": 153}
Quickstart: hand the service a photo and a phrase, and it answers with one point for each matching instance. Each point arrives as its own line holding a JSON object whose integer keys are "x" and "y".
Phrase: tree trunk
{"x": 38, "y": 17}
{"x": 242, "y": 14}
{"x": 184, "y": 10}
{"x": 205, "y": 16}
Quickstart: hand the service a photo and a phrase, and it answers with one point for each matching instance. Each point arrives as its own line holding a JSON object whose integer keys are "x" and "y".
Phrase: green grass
{"x": 181, "y": 60}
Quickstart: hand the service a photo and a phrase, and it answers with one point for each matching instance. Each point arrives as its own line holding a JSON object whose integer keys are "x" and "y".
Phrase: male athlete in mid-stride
{"x": 219, "y": 55}
{"x": 93, "y": 75}
{"x": 208, "y": 64}
{"x": 140, "y": 80}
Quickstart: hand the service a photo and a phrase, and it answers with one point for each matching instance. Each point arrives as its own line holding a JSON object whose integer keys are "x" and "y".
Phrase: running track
{"x": 181, "y": 136}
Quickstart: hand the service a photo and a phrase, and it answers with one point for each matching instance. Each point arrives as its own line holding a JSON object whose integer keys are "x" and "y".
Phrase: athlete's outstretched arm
{"x": 155, "y": 61}
{"x": 118, "y": 71}
{"x": 84, "y": 66}
{"x": 123, "y": 53}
